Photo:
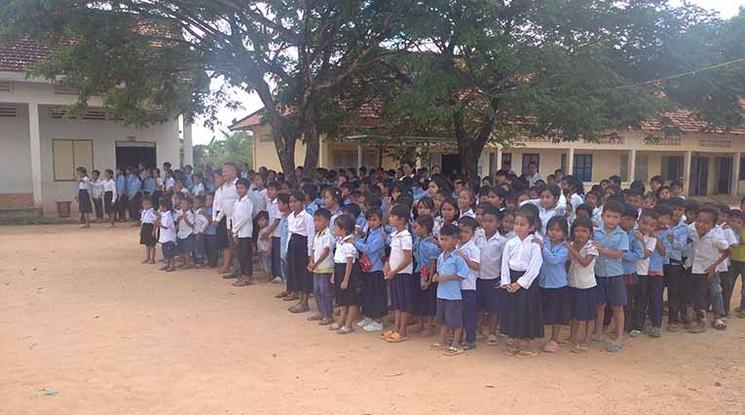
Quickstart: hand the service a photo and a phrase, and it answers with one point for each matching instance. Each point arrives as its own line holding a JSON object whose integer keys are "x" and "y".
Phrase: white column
{"x": 188, "y": 147}
{"x": 321, "y": 153}
{"x": 570, "y": 162}
{"x": 735, "y": 184}
{"x": 359, "y": 155}
{"x": 499, "y": 159}
{"x": 35, "y": 138}
{"x": 687, "y": 172}
{"x": 632, "y": 165}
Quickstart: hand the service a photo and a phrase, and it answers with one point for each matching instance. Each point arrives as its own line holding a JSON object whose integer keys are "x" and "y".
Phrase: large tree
{"x": 295, "y": 55}
{"x": 561, "y": 69}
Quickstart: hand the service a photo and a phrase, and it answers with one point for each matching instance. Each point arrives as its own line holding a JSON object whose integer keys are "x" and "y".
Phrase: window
{"x": 506, "y": 158}
{"x": 345, "y": 159}
{"x": 583, "y": 167}
{"x": 531, "y": 158}
{"x": 672, "y": 168}
{"x": 563, "y": 165}
{"x": 623, "y": 171}
{"x": 492, "y": 163}
{"x": 641, "y": 167}
{"x": 742, "y": 168}
{"x": 68, "y": 155}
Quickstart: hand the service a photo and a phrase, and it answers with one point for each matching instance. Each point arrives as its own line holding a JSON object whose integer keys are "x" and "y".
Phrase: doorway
{"x": 451, "y": 164}
{"x": 724, "y": 175}
{"x": 699, "y": 175}
{"x": 131, "y": 153}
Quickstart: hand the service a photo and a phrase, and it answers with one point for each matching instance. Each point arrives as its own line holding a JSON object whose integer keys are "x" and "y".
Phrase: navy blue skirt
{"x": 522, "y": 315}
{"x": 84, "y": 201}
{"x": 403, "y": 293}
{"x": 584, "y": 302}
{"x": 147, "y": 236}
{"x": 556, "y": 305}
{"x": 490, "y": 298}
{"x": 426, "y": 300}
{"x": 374, "y": 294}
{"x": 352, "y": 294}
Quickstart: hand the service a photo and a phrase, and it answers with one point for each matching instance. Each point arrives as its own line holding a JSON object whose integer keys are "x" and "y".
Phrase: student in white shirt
{"x": 167, "y": 238}
{"x": 147, "y": 230}
{"x": 548, "y": 205}
{"x": 468, "y": 250}
{"x": 272, "y": 232}
{"x": 83, "y": 196}
{"x": 109, "y": 196}
{"x": 197, "y": 188}
{"x": 522, "y": 319}
{"x": 185, "y": 219}
{"x": 346, "y": 277}
{"x": 225, "y": 197}
{"x": 585, "y": 294}
{"x": 399, "y": 269}
{"x": 490, "y": 267}
{"x": 465, "y": 204}
{"x": 321, "y": 263}
{"x": 97, "y": 194}
{"x": 242, "y": 231}
{"x": 710, "y": 248}
{"x": 301, "y": 229}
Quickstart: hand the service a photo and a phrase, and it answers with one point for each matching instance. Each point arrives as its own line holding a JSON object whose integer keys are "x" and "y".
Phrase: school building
{"x": 709, "y": 163}
{"x": 40, "y": 147}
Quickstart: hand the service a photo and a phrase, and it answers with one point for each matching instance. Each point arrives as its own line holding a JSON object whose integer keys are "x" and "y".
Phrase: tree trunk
{"x": 471, "y": 146}
{"x": 311, "y": 137}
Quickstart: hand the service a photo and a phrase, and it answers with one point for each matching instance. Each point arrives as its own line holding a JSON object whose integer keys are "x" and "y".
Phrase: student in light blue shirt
{"x": 553, "y": 280}
{"x": 121, "y": 193}
{"x": 426, "y": 252}
{"x": 451, "y": 270}
{"x": 134, "y": 185}
{"x": 676, "y": 241}
{"x": 611, "y": 242}
{"x": 629, "y": 260}
{"x": 374, "y": 292}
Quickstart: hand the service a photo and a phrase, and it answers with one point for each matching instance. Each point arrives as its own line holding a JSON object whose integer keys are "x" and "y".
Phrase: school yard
{"x": 86, "y": 329}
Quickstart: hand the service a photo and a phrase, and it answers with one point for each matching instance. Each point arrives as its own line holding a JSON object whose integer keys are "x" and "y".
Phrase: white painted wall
{"x": 15, "y": 153}
{"x": 104, "y": 134}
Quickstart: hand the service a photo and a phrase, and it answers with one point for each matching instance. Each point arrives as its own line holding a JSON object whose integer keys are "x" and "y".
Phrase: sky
{"x": 251, "y": 102}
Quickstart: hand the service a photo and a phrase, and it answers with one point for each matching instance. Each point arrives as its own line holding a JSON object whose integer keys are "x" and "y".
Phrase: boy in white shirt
{"x": 710, "y": 248}
{"x": 399, "y": 269}
{"x": 321, "y": 264}
{"x": 243, "y": 231}
{"x": 468, "y": 250}
{"x": 167, "y": 238}
{"x": 185, "y": 219}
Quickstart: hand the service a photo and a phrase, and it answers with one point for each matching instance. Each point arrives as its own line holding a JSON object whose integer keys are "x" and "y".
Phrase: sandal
{"x": 492, "y": 340}
{"x": 335, "y": 326}
{"x": 325, "y": 321}
{"x": 579, "y": 348}
{"x": 315, "y": 317}
{"x": 345, "y": 330}
{"x": 283, "y": 294}
{"x": 453, "y": 351}
{"x": 396, "y": 337}
{"x": 524, "y": 354}
{"x": 551, "y": 347}
{"x": 299, "y": 308}
{"x": 387, "y": 334}
{"x": 511, "y": 352}
{"x": 719, "y": 324}
{"x": 437, "y": 346}
{"x": 291, "y": 297}
{"x": 615, "y": 347}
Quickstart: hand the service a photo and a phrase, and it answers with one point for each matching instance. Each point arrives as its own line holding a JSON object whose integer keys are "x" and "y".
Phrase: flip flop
{"x": 386, "y": 334}
{"x": 453, "y": 351}
{"x": 344, "y": 330}
{"x": 396, "y": 338}
{"x": 525, "y": 354}
{"x": 299, "y": 309}
{"x": 551, "y": 347}
{"x": 511, "y": 352}
{"x": 436, "y": 347}
{"x": 615, "y": 348}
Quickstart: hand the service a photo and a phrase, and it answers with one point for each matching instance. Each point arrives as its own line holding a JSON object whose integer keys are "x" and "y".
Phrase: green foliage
{"x": 236, "y": 147}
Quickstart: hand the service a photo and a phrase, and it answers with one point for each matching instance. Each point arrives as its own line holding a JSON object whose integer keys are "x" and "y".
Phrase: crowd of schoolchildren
{"x": 503, "y": 256}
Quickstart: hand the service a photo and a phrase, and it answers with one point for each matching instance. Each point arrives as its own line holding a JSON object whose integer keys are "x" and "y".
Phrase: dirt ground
{"x": 86, "y": 329}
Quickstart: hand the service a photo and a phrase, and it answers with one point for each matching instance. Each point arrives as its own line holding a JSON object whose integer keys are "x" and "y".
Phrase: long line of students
{"x": 480, "y": 258}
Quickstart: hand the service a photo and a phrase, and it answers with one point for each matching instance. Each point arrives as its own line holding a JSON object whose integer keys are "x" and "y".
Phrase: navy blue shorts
{"x": 450, "y": 313}
{"x": 488, "y": 296}
{"x": 185, "y": 245}
{"x": 169, "y": 249}
{"x": 612, "y": 291}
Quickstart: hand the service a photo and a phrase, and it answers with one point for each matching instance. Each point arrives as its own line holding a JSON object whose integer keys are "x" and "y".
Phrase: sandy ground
{"x": 85, "y": 328}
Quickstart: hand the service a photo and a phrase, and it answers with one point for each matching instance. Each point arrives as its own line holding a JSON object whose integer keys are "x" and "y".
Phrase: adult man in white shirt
{"x": 533, "y": 176}
{"x": 225, "y": 198}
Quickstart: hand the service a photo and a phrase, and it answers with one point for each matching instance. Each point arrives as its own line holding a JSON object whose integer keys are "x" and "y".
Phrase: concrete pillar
{"x": 359, "y": 155}
{"x": 632, "y": 165}
{"x": 570, "y": 162}
{"x": 188, "y": 145}
{"x": 321, "y": 154}
{"x": 687, "y": 172}
{"x": 35, "y": 138}
{"x": 499, "y": 159}
{"x": 735, "y": 184}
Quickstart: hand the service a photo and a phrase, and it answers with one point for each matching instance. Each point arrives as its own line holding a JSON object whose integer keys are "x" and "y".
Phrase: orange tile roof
{"x": 22, "y": 55}
{"x": 687, "y": 122}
